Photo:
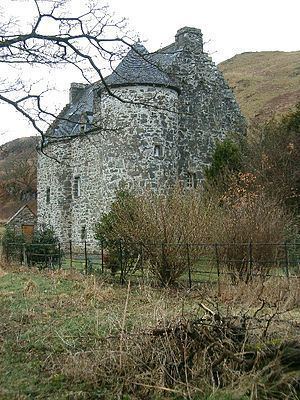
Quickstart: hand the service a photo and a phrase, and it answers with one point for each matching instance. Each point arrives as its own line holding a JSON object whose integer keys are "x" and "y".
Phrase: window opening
{"x": 157, "y": 150}
{"x": 192, "y": 180}
{"x": 83, "y": 233}
{"x": 48, "y": 195}
{"x": 76, "y": 186}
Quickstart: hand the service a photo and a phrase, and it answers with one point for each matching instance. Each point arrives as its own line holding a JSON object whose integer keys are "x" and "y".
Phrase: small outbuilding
{"x": 24, "y": 220}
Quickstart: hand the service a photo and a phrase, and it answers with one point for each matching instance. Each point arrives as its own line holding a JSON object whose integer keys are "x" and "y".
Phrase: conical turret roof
{"x": 139, "y": 68}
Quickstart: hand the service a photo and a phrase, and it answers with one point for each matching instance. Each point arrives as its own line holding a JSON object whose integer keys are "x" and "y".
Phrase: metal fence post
{"x": 71, "y": 254}
{"x": 121, "y": 262}
{"x": 85, "y": 258}
{"x": 163, "y": 263}
{"x": 142, "y": 261}
{"x": 59, "y": 256}
{"x": 102, "y": 256}
{"x": 286, "y": 256}
{"x": 189, "y": 264}
{"x": 218, "y": 267}
{"x": 250, "y": 262}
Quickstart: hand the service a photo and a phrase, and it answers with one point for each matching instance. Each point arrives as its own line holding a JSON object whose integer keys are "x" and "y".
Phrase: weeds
{"x": 67, "y": 336}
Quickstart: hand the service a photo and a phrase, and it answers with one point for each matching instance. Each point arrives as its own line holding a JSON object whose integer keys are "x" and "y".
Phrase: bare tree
{"x": 89, "y": 42}
{"x": 18, "y": 171}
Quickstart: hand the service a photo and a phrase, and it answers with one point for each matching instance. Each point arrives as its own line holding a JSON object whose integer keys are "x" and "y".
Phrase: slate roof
{"x": 20, "y": 210}
{"x": 138, "y": 67}
{"x": 68, "y": 121}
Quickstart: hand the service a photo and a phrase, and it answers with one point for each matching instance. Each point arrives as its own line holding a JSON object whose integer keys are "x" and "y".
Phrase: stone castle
{"x": 155, "y": 121}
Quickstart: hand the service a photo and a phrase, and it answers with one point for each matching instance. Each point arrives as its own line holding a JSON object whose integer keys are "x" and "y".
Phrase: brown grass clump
{"x": 81, "y": 337}
{"x": 189, "y": 357}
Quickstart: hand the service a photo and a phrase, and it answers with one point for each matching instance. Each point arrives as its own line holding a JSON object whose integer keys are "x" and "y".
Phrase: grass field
{"x": 54, "y": 328}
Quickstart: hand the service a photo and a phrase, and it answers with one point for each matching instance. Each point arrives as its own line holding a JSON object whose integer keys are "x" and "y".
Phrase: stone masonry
{"x": 159, "y": 124}
{"x": 23, "y": 217}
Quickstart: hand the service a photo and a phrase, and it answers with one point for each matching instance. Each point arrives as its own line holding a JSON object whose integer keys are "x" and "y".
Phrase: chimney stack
{"x": 190, "y": 38}
{"x": 76, "y": 89}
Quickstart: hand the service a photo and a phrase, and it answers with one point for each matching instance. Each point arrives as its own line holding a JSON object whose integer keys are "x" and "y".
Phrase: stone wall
{"x": 147, "y": 136}
{"x": 207, "y": 108}
{"x": 24, "y": 217}
{"x": 123, "y": 152}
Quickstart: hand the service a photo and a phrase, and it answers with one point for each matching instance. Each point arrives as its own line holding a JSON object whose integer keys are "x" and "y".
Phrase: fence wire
{"x": 186, "y": 263}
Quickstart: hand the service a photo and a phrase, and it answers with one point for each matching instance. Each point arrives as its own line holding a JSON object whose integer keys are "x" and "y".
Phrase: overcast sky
{"x": 229, "y": 27}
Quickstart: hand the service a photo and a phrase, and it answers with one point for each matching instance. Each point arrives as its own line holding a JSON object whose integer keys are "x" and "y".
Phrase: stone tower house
{"x": 158, "y": 125}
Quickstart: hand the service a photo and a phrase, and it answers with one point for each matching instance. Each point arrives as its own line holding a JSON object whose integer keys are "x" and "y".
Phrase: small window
{"x": 157, "y": 150}
{"x": 77, "y": 186}
{"x": 192, "y": 180}
{"x": 48, "y": 195}
{"x": 83, "y": 233}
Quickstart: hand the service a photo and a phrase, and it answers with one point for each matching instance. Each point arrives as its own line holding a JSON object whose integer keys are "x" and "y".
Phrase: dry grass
{"x": 66, "y": 336}
{"x": 264, "y": 82}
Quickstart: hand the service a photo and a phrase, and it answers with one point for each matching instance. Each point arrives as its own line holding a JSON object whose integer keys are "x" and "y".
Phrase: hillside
{"x": 17, "y": 175}
{"x": 265, "y": 82}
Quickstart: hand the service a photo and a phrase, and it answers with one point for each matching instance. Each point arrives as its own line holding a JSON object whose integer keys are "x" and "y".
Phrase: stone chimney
{"x": 76, "y": 89}
{"x": 190, "y": 38}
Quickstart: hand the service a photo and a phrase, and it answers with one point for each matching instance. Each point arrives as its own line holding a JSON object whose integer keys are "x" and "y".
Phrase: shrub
{"x": 122, "y": 253}
{"x": 44, "y": 250}
{"x": 160, "y": 225}
{"x": 247, "y": 223}
{"x": 273, "y": 157}
{"x": 13, "y": 245}
{"x": 226, "y": 160}
{"x": 252, "y": 225}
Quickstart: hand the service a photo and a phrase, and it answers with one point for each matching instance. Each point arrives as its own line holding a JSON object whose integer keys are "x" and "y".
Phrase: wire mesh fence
{"x": 187, "y": 264}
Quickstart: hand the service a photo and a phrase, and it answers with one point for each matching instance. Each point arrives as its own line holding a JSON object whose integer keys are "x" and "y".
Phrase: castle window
{"x": 76, "y": 188}
{"x": 83, "y": 233}
{"x": 48, "y": 195}
{"x": 192, "y": 180}
{"x": 157, "y": 150}
{"x": 82, "y": 127}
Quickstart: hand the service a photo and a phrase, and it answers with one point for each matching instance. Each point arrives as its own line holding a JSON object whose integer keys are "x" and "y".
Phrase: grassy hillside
{"x": 17, "y": 175}
{"x": 265, "y": 82}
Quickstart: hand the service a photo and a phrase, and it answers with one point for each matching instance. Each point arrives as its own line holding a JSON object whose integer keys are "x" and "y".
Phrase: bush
{"x": 252, "y": 225}
{"x": 13, "y": 245}
{"x": 226, "y": 160}
{"x": 273, "y": 157}
{"x": 44, "y": 250}
{"x": 248, "y": 225}
{"x": 121, "y": 253}
{"x": 160, "y": 225}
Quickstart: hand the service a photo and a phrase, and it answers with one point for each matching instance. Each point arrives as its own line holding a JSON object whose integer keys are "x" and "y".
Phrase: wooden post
{"x": 24, "y": 255}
